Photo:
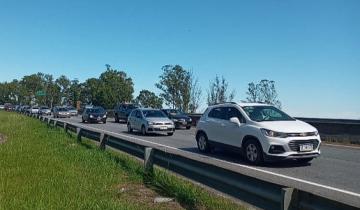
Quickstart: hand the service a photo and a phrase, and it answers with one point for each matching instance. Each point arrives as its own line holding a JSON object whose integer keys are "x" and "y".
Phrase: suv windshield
{"x": 96, "y": 110}
{"x": 62, "y": 109}
{"x": 153, "y": 113}
{"x": 174, "y": 112}
{"x": 266, "y": 113}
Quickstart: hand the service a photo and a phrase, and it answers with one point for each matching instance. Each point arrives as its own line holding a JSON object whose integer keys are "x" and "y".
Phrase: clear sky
{"x": 311, "y": 48}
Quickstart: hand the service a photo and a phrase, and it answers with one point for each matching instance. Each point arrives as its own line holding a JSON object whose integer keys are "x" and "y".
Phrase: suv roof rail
{"x": 230, "y": 102}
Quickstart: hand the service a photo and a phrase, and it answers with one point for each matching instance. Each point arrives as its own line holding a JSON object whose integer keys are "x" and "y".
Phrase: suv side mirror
{"x": 235, "y": 120}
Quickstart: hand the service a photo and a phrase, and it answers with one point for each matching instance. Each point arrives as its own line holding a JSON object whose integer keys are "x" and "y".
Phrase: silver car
{"x": 61, "y": 112}
{"x": 150, "y": 121}
{"x": 73, "y": 111}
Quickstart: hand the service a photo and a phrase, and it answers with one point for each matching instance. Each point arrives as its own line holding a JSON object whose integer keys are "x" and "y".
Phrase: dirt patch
{"x": 2, "y": 139}
{"x": 144, "y": 196}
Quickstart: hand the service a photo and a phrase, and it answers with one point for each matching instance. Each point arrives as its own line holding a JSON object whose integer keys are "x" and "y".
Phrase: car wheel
{"x": 82, "y": 119}
{"x": 304, "y": 160}
{"x": 188, "y": 127}
{"x": 116, "y": 119}
{"x": 104, "y": 121}
{"x": 253, "y": 152}
{"x": 130, "y": 130}
{"x": 143, "y": 130}
{"x": 203, "y": 143}
{"x": 170, "y": 134}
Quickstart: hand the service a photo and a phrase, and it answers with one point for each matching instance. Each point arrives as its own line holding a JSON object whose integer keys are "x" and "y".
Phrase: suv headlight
{"x": 316, "y": 133}
{"x": 104, "y": 116}
{"x": 271, "y": 133}
{"x": 151, "y": 123}
{"x": 91, "y": 116}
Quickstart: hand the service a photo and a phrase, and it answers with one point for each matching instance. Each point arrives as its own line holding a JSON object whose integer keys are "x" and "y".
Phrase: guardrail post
{"x": 78, "y": 134}
{"x": 55, "y": 123}
{"x": 103, "y": 139}
{"x": 65, "y": 127}
{"x": 48, "y": 121}
{"x": 289, "y": 199}
{"x": 149, "y": 161}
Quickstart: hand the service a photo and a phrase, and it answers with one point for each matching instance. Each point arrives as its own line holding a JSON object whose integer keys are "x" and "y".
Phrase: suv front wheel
{"x": 253, "y": 152}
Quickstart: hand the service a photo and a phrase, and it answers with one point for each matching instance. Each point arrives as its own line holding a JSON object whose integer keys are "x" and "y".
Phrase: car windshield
{"x": 62, "y": 109}
{"x": 44, "y": 107}
{"x": 153, "y": 113}
{"x": 174, "y": 112}
{"x": 266, "y": 113}
{"x": 96, "y": 110}
{"x": 71, "y": 107}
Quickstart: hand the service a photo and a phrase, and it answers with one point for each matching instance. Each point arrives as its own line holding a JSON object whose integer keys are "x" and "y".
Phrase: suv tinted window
{"x": 218, "y": 113}
{"x": 233, "y": 112}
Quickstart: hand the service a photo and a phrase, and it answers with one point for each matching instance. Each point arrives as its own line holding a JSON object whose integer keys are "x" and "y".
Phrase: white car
{"x": 34, "y": 110}
{"x": 150, "y": 121}
{"x": 261, "y": 132}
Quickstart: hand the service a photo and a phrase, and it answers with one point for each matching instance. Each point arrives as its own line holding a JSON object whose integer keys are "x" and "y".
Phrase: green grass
{"x": 44, "y": 168}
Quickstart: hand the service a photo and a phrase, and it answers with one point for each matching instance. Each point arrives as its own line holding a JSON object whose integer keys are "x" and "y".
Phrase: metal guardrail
{"x": 260, "y": 188}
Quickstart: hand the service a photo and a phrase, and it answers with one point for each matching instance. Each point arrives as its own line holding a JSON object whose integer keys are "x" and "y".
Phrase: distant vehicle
{"x": 261, "y": 132}
{"x": 25, "y": 109}
{"x": 94, "y": 114}
{"x": 73, "y": 111}
{"x": 8, "y": 107}
{"x": 17, "y": 108}
{"x": 2, "y": 107}
{"x": 44, "y": 110}
{"x": 122, "y": 111}
{"x": 34, "y": 110}
{"x": 61, "y": 112}
{"x": 150, "y": 121}
{"x": 180, "y": 119}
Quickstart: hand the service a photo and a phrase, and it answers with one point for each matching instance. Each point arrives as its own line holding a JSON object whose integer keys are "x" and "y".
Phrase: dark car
{"x": 122, "y": 111}
{"x": 94, "y": 114}
{"x": 180, "y": 119}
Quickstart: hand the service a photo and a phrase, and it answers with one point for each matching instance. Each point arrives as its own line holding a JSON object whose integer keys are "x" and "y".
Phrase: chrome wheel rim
{"x": 202, "y": 143}
{"x": 251, "y": 152}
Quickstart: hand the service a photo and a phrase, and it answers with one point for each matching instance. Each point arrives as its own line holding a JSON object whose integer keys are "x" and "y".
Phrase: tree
{"x": 264, "y": 92}
{"x": 115, "y": 87}
{"x": 147, "y": 98}
{"x": 195, "y": 94}
{"x": 175, "y": 84}
{"x": 64, "y": 83}
{"x": 218, "y": 92}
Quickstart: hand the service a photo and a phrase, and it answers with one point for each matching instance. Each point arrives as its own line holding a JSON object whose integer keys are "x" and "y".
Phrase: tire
{"x": 143, "y": 130}
{"x": 104, "y": 121}
{"x": 130, "y": 130}
{"x": 117, "y": 119}
{"x": 203, "y": 143}
{"x": 304, "y": 160}
{"x": 82, "y": 119}
{"x": 170, "y": 134}
{"x": 253, "y": 152}
{"x": 188, "y": 127}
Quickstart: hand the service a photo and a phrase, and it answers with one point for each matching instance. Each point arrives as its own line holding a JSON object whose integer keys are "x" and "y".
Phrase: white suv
{"x": 261, "y": 132}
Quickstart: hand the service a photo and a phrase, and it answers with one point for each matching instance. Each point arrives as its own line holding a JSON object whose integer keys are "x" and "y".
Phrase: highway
{"x": 338, "y": 167}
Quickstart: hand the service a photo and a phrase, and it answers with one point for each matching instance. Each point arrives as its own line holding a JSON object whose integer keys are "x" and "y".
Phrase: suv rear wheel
{"x": 253, "y": 152}
{"x": 203, "y": 143}
{"x": 116, "y": 118}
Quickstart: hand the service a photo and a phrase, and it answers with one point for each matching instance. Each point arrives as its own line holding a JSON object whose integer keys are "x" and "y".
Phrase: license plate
{"x": 99, "y": 118}
{"x": 306, "y": 147}
{"x": 163, "y": 128}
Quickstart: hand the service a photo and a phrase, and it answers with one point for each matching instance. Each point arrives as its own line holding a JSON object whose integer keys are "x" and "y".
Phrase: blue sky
{"x": 310, "y": 48}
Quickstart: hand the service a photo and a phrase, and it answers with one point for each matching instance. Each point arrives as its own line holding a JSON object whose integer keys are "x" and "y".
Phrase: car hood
{"x": 287, "y": 126}
{"x": 159, "y": 120}
{"x": 179, "y": 117}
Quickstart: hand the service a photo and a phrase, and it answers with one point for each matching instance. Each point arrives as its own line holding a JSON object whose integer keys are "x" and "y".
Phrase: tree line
{"x": 179, "y": 89}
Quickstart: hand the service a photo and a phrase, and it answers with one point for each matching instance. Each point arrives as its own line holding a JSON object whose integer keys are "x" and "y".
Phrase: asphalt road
{"x": 338, "y": 167}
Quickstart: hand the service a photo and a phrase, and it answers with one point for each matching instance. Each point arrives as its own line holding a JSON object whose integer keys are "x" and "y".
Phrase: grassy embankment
{"x": 44, "y": 168}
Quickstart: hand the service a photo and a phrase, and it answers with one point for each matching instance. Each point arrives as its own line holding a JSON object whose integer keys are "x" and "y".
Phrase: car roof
{"x": 242, "y": 104}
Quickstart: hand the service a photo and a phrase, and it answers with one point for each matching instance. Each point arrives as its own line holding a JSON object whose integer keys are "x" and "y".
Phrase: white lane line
{"x": 340, "y": 146}
{"x": 245, "y": 166}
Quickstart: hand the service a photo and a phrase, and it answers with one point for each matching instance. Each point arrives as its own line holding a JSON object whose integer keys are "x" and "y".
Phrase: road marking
{"x": 343, "y": 146}
{"x": 237, "y": 164}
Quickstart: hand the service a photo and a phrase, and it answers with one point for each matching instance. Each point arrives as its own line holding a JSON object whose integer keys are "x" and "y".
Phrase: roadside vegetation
{"x": 44, "y": 168}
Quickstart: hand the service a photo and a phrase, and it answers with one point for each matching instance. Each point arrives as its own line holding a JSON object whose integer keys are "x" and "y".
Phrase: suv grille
{"x": 301, "y": 134}
{"x": 295, "y": 144}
